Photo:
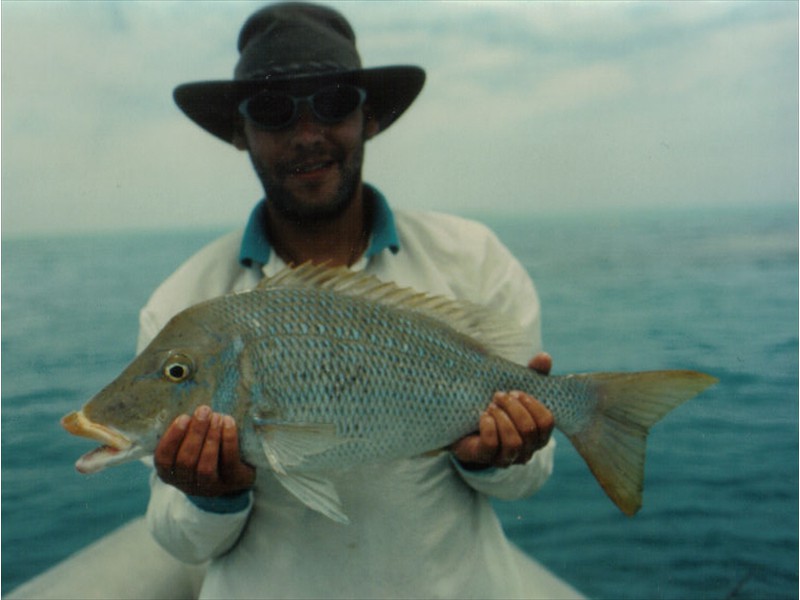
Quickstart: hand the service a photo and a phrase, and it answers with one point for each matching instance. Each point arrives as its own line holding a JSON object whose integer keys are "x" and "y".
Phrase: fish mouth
{"x": 116, "y": 447}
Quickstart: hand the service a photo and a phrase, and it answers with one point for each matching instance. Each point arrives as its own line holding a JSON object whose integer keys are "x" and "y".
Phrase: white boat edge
{"x": 94, "y": 572}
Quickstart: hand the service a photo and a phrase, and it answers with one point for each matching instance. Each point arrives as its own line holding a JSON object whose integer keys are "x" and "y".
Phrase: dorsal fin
{"x": 493, "y": 333}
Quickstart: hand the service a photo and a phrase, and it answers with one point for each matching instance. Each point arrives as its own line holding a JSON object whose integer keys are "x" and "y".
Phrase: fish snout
{"x": 70, "y": 422}
{"x": 78, "y": 424}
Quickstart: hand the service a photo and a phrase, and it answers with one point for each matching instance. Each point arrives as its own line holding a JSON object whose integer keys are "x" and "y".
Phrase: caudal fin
{"x": 628, "y": 404}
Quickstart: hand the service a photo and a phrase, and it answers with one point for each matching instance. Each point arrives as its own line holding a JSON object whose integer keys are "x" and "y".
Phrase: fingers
{"x": 533, "y": 423}
{"x": 200, "y": 455}
{"x": 542, "y": 363}
{"x": 229, "y": 450}
{"x": 512, "y": 428}
{"x": 238, "y": 474}
{"x": 510, "y": 439}
{"x": 189, "y": 454}
{"x": 206, "y": 470}
{"x": 170, "y": 443}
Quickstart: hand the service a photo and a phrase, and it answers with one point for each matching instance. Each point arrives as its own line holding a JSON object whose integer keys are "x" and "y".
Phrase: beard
{"x": 292, "y": 208}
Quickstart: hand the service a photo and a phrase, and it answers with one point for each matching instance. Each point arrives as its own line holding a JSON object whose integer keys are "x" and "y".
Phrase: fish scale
{"x": 403, "y": 383}
{"x": 357, "y": 380}
{"x": 323, "y": 368}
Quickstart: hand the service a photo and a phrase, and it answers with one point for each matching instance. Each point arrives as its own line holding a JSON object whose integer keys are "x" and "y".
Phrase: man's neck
{"x": 339, "y": 241}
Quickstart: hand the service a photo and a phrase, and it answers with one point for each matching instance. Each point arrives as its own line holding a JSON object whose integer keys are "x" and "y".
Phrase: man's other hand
{"x": 513, "y": 427}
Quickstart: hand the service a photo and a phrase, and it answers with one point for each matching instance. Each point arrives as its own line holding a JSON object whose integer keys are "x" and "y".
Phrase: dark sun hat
{"x": 295, "y": 44}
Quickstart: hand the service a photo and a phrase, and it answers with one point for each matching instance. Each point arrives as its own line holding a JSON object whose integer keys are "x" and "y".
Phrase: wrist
{"x": 471, "y": 466}
{"x": 225, "y": 504}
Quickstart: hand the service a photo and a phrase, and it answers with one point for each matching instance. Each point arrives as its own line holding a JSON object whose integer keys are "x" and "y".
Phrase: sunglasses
{"x": 274, "y": 110}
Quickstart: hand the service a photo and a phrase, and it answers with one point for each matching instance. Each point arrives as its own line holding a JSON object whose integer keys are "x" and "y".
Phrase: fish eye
{"x": 178, "y": 368}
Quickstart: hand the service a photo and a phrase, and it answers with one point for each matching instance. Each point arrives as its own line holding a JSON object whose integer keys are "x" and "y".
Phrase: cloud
{"x": 528, "y": 106}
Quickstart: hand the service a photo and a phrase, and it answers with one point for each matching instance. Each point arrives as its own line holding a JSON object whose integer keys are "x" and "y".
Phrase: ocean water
{"x": 705, "y": 290}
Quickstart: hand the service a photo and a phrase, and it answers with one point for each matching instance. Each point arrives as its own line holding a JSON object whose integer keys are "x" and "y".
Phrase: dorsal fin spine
{"x": 495, "y": 335}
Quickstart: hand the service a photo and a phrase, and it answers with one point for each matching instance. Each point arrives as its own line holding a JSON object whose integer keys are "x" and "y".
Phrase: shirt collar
{"x": 257, "y": 249}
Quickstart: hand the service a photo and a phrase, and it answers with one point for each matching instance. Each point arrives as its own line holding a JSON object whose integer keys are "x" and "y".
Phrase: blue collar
{"x": 257, "y": 249}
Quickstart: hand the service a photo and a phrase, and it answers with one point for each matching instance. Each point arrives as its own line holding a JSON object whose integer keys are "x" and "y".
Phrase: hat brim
{"x": 213, "y": 104}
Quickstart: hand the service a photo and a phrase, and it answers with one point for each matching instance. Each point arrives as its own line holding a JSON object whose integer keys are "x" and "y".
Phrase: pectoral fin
{"x": 288, "y": 446}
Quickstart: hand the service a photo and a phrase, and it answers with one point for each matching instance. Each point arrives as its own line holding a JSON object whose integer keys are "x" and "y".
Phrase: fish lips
{"x": 116, "y": 447}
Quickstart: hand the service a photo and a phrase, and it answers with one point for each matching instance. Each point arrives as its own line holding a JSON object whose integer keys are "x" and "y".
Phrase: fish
{"x": 323, "y": 368}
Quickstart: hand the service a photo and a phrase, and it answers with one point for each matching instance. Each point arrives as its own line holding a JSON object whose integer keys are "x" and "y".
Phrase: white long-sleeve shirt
{"x": 420, "y": 527}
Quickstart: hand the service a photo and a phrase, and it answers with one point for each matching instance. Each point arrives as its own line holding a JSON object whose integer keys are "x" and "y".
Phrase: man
{"x": 302, "y": 107}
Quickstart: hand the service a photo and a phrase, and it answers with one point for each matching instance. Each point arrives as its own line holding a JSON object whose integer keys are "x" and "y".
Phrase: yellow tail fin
{"x": 628, "y": 404}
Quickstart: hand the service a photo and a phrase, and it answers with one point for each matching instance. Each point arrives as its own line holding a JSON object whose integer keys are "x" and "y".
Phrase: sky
{"x": 528, "y": 107}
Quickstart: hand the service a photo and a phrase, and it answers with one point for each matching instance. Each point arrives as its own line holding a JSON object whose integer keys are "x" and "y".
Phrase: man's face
{"x": 310, "y": 171}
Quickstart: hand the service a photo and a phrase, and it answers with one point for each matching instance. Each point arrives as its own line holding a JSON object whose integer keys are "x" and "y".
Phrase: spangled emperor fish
{"x": 326, "y": 368}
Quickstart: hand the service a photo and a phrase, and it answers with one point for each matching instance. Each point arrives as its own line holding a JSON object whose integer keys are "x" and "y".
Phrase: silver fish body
{"x": 327, "y": 369}
{"x": 386, "y": 385}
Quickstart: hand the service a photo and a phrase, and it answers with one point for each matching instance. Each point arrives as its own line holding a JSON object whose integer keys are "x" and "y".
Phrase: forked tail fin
{"x": 628, "y": 404}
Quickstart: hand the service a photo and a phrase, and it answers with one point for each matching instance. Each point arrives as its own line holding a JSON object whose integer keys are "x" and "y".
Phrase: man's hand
{"x": 199, "y": 455}
{"x": 513, "y": 427}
